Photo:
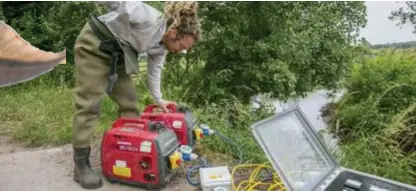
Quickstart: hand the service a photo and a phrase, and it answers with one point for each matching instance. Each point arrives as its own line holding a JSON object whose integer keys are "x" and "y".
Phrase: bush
{"x": 375, "y": 120}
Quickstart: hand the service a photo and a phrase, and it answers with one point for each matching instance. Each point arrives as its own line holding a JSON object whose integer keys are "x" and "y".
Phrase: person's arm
{"x": 155, "y": 62}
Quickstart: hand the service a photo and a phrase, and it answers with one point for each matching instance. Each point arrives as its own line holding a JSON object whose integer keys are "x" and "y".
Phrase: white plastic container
{"x": 215, "y": 179}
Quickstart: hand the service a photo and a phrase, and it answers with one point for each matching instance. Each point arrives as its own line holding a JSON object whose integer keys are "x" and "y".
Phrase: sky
{"x": 380, "y": 29}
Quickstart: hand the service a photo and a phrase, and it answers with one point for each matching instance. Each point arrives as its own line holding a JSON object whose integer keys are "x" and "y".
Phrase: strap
{"x": 111, "y": 47}
{"x": 113, "y": 76}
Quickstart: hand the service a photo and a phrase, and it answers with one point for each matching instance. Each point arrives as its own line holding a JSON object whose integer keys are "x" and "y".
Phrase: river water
{"x": 311, "y": 106}
{"x": 290, "y": 147}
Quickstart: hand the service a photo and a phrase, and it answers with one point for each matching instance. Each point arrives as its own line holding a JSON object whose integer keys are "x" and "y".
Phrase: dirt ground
{"x": 49, "y": 168}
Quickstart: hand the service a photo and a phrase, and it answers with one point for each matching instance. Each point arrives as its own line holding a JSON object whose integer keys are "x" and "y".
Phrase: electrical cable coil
{"x": 272, "y": 180}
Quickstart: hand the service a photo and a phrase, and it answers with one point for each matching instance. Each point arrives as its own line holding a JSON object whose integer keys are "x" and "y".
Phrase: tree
{"x": 2, "y": 18}
{"x": 281, "y": 48}
{"x": 405, "y": 16}
{"x": 249, "y": 48}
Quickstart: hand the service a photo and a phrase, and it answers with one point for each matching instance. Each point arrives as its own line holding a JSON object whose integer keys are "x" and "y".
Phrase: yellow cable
{"x": 241, "y": 183}
{"x": 235, "y": 168}
{"x": 254, "y": 179}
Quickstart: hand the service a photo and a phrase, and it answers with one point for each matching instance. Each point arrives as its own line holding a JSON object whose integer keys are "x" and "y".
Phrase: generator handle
{"x": 151, "y": 108}
{"x": 133, "y": 122}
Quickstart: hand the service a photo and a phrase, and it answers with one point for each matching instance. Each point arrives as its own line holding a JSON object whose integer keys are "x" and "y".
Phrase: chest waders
{"x": 93, "y": 49}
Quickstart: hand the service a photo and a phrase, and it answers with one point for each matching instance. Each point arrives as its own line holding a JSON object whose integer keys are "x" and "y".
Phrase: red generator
{"x": 179, "y": 119}
{"x": 139, "y": 152}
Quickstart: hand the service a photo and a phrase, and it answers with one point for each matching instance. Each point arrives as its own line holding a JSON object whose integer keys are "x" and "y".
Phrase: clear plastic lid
{"x": 294, "y": 149}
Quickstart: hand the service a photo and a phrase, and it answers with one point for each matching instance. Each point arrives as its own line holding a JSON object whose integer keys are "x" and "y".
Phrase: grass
{"x": 372, "y": 129}
{"x": 379, "y": 152}
{"x": 375, "y": 119}
{"x": 43, "y": 116}
{"x": 39, "y": 112}
{"x": 371, "y": 155}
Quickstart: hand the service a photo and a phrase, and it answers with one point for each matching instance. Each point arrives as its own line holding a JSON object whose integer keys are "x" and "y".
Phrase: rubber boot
{"x": 83, "y": 174}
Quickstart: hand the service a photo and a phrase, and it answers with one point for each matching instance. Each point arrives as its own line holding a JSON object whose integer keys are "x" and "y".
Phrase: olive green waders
{"x": 93, "y": 61}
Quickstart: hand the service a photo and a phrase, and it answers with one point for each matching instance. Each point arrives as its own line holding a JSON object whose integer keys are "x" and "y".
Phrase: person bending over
{"x": 106, "y": 55}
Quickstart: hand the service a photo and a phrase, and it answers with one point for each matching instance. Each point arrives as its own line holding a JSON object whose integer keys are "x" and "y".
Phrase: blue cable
{"x": 230, "y": 141}
{"x": 194, "y": 169}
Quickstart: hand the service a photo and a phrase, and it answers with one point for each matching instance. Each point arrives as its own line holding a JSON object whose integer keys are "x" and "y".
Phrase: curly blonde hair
{"x": 182, "y": 16}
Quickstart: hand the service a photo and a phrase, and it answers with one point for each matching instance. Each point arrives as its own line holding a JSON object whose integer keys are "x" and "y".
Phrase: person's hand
{"x": 164, "y": 105}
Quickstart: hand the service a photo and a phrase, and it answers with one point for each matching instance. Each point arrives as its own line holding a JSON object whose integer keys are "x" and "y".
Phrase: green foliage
{"x": 236, "y": 127}
{"x": 371, "y": 155}
{"x": 405, "y": 16}
{"x": 43, "y": 115}
{"x": 280, "y": 48}
{"x": 297, "y": 47}
{"x": 388, "y": 70}
{"x": 156, "y": 4}
{"x": 375, "y": 120}
{"x": 408, "y": 44}
{"x": 2, "y": 18}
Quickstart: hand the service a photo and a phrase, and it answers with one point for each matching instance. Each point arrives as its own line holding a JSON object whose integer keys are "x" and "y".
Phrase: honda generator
{"x": 141, "y": 152}
{"x": 180, "y": 120}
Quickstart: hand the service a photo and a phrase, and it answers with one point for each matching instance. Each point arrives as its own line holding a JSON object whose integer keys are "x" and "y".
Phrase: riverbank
{"x": 374, "y": 120}
{"x": 369, "y": 125}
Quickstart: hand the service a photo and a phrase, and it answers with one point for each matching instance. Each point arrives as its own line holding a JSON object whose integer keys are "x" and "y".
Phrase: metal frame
{"x": 309, "y": 129}
{"x": 381, "y": 180}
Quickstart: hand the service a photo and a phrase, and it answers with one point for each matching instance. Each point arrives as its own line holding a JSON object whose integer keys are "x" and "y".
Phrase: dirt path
{"x": 50, "y": 169}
